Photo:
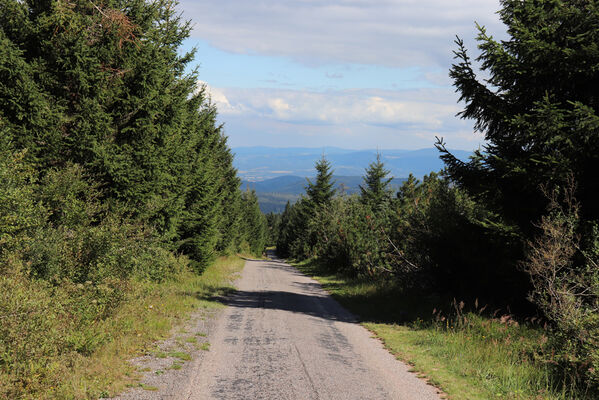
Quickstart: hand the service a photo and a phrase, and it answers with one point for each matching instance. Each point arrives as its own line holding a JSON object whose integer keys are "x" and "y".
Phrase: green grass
{"x": 469, "y": 357}
{"x": 176, "y": 365}
{"x": 146, "y": 315}
{"x": 180, "y": 355}
{"x": 148, "y": 387}
{"x": 205, "y": 346}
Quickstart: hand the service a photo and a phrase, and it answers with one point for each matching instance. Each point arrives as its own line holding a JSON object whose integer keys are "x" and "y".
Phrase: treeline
{"x": 515, "y": 226}
{"x": 112, "y": 166}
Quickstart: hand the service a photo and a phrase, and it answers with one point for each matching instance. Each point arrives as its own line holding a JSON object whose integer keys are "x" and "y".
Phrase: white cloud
{"x": 346, "y": 118}
{"x": 380, "y": 32}
{"x": 425, "y": 108}
{"x": 392, "y": 33}
{"x": 218, "y": 98}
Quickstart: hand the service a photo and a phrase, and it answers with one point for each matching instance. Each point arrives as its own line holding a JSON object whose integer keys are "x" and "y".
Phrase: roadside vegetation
{"x": 117, "y": 191}
{"x": 505, "y": 244}
{"x": 464, "y": 349}
{"x": 59, "y": 350}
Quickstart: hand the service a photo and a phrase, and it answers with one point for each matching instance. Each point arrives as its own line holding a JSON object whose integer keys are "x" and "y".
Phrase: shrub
{"x": 564, "y": 269}
{"x": 351, "y": 236}
{"x": 31, "y": 333}
{"x": 456, "y": 243}
{"x": 20, "y": 214}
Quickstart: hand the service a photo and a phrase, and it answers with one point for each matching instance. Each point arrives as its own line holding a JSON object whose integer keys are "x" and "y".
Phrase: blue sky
{"x": 348, "y": 73}
{"x": 220, "y": 68}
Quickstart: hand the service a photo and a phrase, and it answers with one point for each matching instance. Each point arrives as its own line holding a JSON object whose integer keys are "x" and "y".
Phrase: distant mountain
{"x": 287, "y": 184}
{"x": 275, "y": 202}
{"x": 261, "y": 163}
{"x": 274, "y": 193}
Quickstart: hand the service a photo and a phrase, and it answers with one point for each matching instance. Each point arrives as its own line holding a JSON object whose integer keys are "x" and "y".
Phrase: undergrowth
{"x": 72, "y": 341}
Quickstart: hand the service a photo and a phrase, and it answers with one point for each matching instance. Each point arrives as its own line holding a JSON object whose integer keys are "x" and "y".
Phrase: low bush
{"x": 68, "y": 262}
{"x": 564, "y": 269}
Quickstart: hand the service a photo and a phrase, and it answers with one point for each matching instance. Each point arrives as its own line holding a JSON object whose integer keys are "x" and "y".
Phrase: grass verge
{"x": 468, "y": 355}
{"x": 147, "y": 314}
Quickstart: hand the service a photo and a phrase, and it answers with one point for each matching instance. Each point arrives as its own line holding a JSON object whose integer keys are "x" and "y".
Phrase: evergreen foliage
{"x": 436, "y": 240}
{"x": 428, "y": 236}
{"x": 293, "y": 236}
{"x": 376, "y": 191}
{"x": 256, "y": 228}
{"x": 273, "y": 222}
{"x": 539, "y": 114}
{"x": 112, "y": 163}
{"x": 538, "y": 110}
{"x": 323, "y": 189}
{"x": 104, "y": 86}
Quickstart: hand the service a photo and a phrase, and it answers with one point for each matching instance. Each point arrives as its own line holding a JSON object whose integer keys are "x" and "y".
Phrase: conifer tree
{"x": 322, "y": 190}
{"x": 294, "y": 239}
{"x": 376, "y": 191}
{"x": 231, "y": 221}
{"x": 103, "y": 85}
{"x": 255, "y": 222}
{"x": 284, "y": 238}
{"x": 538, "y": 110}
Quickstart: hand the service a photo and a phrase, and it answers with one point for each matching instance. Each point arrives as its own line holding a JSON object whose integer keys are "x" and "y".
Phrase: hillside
{"x": 261, "y": 163}
{"x": 274, "y": 193}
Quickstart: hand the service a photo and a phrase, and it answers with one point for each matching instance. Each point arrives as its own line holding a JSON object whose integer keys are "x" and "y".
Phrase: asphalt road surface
{"x": 283, "y": 337}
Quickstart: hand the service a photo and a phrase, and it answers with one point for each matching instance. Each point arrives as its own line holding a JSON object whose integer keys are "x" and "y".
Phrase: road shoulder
{"x": 168, "y": 366}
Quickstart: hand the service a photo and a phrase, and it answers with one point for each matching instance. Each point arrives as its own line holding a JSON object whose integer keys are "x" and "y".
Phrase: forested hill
{"x": 278, "y": 174}
{"x": 274, "y": 193}
{"x": 261, "y": 163}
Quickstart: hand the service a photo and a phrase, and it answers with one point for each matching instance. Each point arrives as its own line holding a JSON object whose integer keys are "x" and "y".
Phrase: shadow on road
{"x": 317, "y": 305}
{"x": 386, "y": 306}
{"x": 303, "y": 297}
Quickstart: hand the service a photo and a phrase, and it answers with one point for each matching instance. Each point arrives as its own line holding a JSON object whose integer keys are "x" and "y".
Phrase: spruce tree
{"x": 104, "y": 85}
{"x": 376, "y": 192}
{"x": 210, "y": 182}
{"x": 322, "y": 190}
{"x": 255, "y": 222}
{"x": 538, "y": 109}
{"x": 230, "y": 222}
{"x": 284, "y": 239}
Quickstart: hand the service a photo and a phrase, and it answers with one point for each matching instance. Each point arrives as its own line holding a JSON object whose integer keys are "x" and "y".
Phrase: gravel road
{"x": 283, "y": 337}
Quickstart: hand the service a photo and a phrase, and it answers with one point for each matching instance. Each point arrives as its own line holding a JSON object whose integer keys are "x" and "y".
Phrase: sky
{"x": 357, "y": 74}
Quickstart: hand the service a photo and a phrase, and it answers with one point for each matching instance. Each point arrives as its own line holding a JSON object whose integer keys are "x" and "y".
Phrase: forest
{"x": 116, "y": 178}
{"x": 113, "y": 171}
{"x": 516, "y": 226}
